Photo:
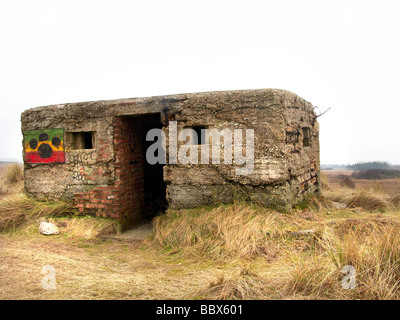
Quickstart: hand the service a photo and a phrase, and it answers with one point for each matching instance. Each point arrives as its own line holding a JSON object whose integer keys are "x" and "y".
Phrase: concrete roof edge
{"x": 125, "y": 101}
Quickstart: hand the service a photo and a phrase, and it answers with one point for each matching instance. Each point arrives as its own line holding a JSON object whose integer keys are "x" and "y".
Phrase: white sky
{"x": 339, "y": 54}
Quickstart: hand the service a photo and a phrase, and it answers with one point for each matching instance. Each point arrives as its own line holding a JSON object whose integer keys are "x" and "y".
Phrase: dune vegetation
{"x": 237, "y": 251}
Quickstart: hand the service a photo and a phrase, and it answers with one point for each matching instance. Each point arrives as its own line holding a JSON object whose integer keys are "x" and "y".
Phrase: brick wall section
{"x": 123, "y": 200}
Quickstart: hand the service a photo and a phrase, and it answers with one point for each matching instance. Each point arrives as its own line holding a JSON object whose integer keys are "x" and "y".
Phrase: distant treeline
{"x": 372, "y": 166}
{"x": 376, "y": 174}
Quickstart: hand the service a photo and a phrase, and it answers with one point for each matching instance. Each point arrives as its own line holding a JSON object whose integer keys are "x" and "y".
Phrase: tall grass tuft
{"x": 17, "y": 209}
{"x": 241, "y": 285}
{"x": 324, "y": 181}
{"x": 366, "y": 199}
{"x": 375, "y": 255}
{"x": 13, "y": 173}
{"x": 313, "y": 277}
{"x": 347, "y": 182}
{"x": 11, "y": 179}
{"x": 235, "y": 231}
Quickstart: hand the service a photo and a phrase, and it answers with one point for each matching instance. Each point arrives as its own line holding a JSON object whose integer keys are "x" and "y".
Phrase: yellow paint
{"x": 29, "y": 149}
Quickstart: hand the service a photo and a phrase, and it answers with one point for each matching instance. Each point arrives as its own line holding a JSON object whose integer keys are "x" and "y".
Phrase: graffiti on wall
{"x": 79, "y": 174}
{"x": 81, "y": 163}
{"x": 80, "y": 158}
{"x": 132, "y": 143}
{"x": 44, "y": 146}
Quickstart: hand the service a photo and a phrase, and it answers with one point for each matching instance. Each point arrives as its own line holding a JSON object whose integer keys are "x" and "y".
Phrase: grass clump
{"x": 374, "y": 252}
{"x": 11, "y": 178}
{"x": 370, "y": 245}
{"x": 314, "y": 203}
{"x": 87, "y": 227}
{"x": 237, "y": 230}
{"x": 18, "y": 209}
{"x": 366, "y": 199}
{"x": 13, "y": 173}
{"x": 347, "y": 182}
{"x": 313, "y": 277}
{"x": 242, "y": 285}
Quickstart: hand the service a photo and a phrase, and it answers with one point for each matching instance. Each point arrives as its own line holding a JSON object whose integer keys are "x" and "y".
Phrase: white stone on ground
{"x": 48, "y": 228}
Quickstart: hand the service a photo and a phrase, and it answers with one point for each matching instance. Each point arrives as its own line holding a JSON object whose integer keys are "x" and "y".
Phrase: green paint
{"x": 28, "y": 135}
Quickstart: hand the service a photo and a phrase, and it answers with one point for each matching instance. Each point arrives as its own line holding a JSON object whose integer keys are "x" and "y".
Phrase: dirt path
{"x": 135, "y": 234}
{"x": 93, "y": 270}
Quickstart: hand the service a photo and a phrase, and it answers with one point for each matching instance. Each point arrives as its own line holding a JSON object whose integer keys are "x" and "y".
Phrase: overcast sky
{"x": 343, "y": 55}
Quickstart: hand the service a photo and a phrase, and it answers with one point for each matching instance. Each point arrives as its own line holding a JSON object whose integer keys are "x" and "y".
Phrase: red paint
{"x": 34, "y": 157}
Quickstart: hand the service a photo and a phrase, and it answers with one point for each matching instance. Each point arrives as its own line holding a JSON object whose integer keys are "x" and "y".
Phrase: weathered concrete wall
{"x": 108, "y": 178}
{"x": 83, "y": 169}
{"x": 284, "y": 170}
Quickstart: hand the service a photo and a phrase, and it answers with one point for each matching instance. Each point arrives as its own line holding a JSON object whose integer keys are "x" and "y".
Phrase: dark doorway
{"x": 154, "y": 185}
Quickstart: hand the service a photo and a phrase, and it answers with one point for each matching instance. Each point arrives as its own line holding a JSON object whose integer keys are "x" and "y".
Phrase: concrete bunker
{"x": 93, "y": 154}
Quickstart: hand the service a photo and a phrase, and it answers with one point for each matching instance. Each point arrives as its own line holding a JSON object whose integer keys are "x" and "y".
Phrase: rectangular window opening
{"x": 292, "y": 137}
{"x": 88, "y": 140}
{"x": 306, "y": 137}
{"x": 82, "y": 140}
{"x": 200, "y": 135}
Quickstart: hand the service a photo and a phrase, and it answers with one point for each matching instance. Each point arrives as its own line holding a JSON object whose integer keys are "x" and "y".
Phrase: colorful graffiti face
{"x": 44, "y": 146}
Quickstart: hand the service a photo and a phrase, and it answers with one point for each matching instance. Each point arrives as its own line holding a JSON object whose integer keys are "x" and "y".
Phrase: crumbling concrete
{"x": 103, "y": 168}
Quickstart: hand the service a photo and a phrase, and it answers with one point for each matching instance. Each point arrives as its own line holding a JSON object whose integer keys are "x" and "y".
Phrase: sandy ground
{"x": 92, "y": 270}
{"x": 138, "y": 234}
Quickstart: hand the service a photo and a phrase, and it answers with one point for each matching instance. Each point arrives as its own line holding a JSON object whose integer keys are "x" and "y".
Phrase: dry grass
{"x": 312, "y": 278}
{"x": 13, "y": 173}
{"x": 86, "y": 227}
{"x": 237, "y": 285}
{"x": 74, "y": 227}
{"x": 239, "y": 251}
{"x": 11, "y": 178}
{"x": 18, "y": 209}
{"x": 238, "y": 230}
{"x": 324, "y": 181}
{"x": 347, "y": 182}
{"x": 333, "y": 179}
{"x": 374, "y": 252}
{"x": 368, "y": 200}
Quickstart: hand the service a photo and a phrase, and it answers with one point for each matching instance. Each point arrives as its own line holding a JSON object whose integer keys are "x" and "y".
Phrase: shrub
{"x": 347, "y": 182}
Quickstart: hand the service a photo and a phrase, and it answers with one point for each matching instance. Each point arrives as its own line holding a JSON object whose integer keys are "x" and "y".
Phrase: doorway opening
{"x": 155, "y": 202}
